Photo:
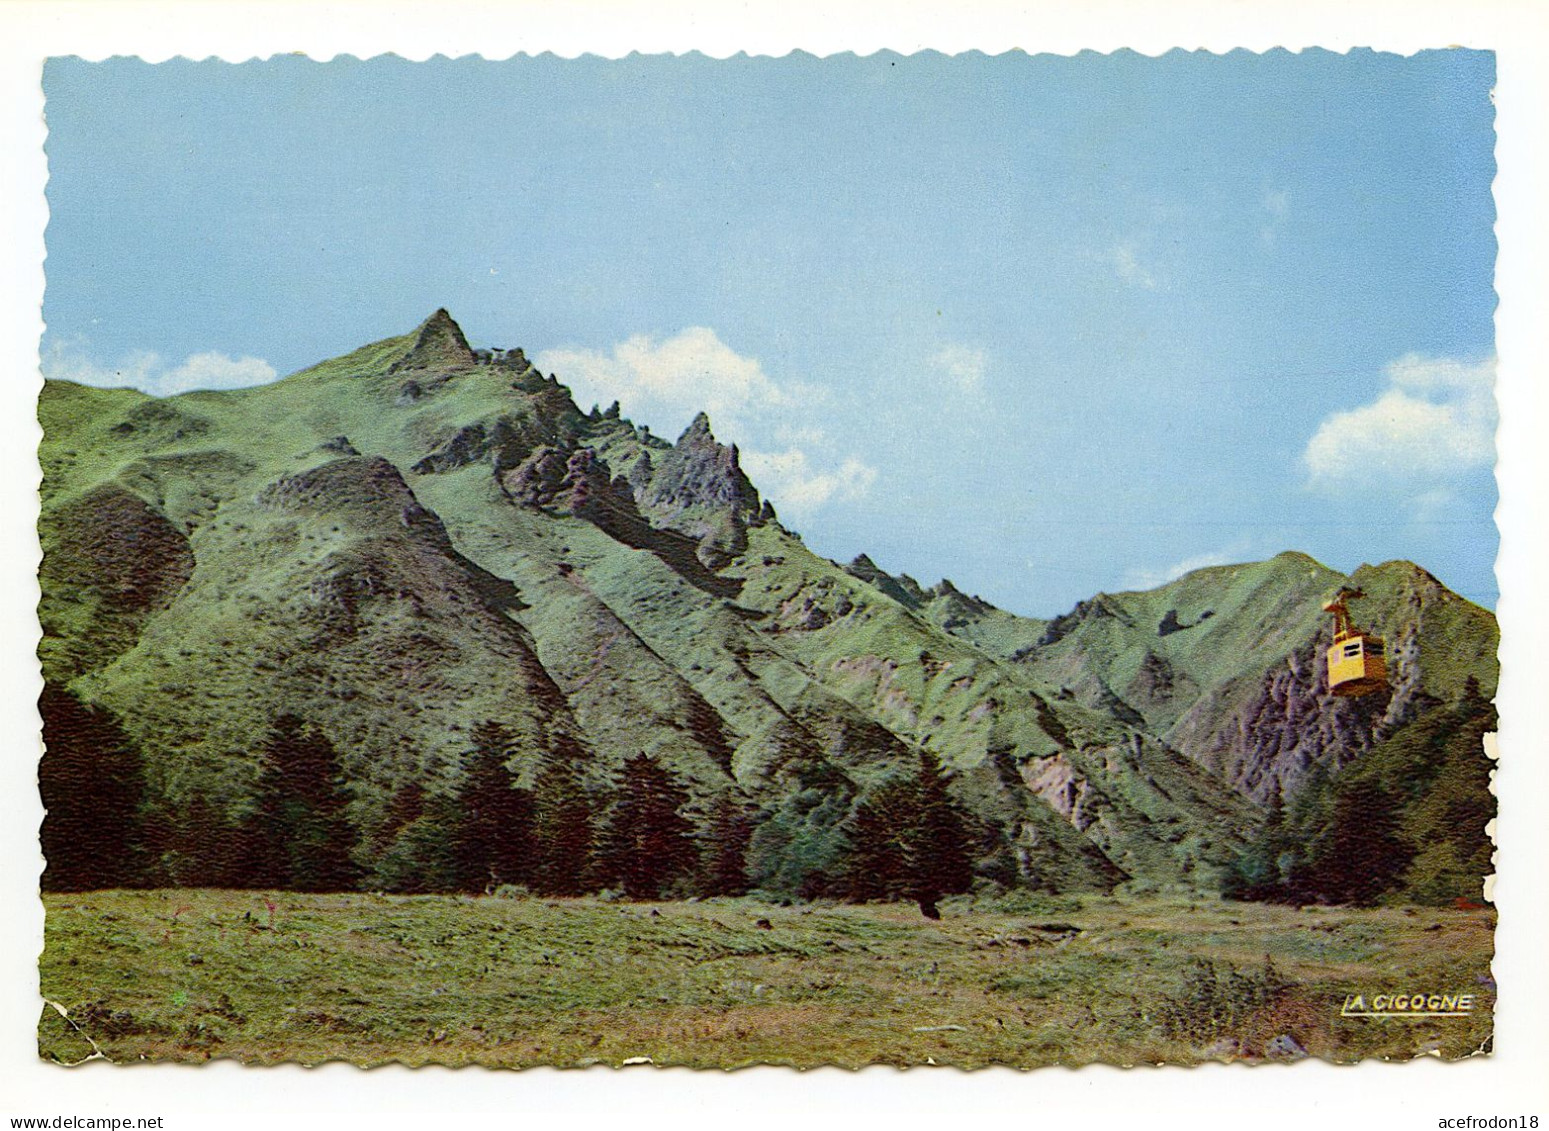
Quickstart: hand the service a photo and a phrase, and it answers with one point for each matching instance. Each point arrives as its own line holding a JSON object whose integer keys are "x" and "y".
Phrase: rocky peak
{"x": 905, "y": 590}
{"x": 1100, "y": 607}
{"x": 438, "y": 344}
{"x": 697, "y": 488}
{"x": 698, "y": 434}
{"x": 945, "y": 588}
{"x": 1403, "y": 576}
{"x": 700, "y": 471}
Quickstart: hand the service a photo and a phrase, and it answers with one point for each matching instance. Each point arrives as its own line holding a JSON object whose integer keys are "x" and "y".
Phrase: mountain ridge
{"x": 416, "y": 536}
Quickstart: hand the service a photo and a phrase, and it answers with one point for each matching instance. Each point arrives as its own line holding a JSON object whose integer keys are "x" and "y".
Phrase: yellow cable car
{"x": 1356, "y": 661}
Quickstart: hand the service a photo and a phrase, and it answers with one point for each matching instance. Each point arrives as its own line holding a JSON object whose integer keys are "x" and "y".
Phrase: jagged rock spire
{"x": 438, "y": 344}
{"x": 700, "y": 471}
{"x": 697, "y": 432}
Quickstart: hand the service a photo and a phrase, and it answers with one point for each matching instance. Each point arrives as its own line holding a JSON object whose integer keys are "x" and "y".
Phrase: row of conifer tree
{"x": 1407, "y": 821}
{"x": 642, "y": 836}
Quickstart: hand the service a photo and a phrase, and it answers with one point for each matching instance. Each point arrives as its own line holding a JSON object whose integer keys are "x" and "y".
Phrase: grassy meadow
{"x": 187, "y": 975}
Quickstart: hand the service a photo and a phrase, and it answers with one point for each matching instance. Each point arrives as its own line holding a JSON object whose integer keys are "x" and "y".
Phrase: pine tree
{"x": 407, "y": 806}
{"x": 646, "y": 844}
{"x": 1359, "y": 856}
{"x": 879, "y": 834}
{"x": 1257, "y": 873}
{"x": 92, "y": 785}
{"x": 494, "y": 838}
{"x": 300, "y": 836}
{"x": 909, "y": 840}
{"x": 1473, "y": 700}
{"x": 204, "y": 846}
{"x": 939, "y": 860}
{"x": 562, "y": 823}
{"x": 725, "y": 851}
{"x": 261, "y": 834}
{"x": 415, "y": 850}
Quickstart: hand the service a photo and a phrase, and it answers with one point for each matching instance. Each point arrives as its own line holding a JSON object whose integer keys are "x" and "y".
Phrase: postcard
{"x": 907, "y": 559}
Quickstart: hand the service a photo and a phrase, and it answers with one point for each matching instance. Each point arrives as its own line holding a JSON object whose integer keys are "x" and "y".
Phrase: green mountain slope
{"x": 404, "y": 542}
{"x": 1225, "y": 664}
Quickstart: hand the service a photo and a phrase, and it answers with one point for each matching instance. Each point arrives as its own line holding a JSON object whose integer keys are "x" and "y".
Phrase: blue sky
{"x": 1046, "y": 326}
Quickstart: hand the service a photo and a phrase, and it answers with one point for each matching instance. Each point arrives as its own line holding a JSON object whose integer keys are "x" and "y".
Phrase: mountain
{"x": 400, "y": 544}
{"x": 1225, "y": 664}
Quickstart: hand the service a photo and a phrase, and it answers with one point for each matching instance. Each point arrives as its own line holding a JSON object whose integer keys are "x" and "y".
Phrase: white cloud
{"x": 665, "y": 381}
{"x": 1435, "y": 419}
{"x": 673, "y": 378}
{"x": 963, "y": 365}
{"x": 216, "y": 371}
{"x": 150, "y": 373}
{"x": 1143, "y": 578}
{"x": 798, "y": 487}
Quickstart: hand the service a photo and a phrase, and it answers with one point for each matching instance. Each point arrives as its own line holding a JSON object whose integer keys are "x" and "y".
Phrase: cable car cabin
{"x": 1357, "y": 663}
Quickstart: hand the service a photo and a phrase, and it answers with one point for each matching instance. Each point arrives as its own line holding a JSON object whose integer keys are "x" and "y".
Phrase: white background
{"x": 1515, "y": 1080}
